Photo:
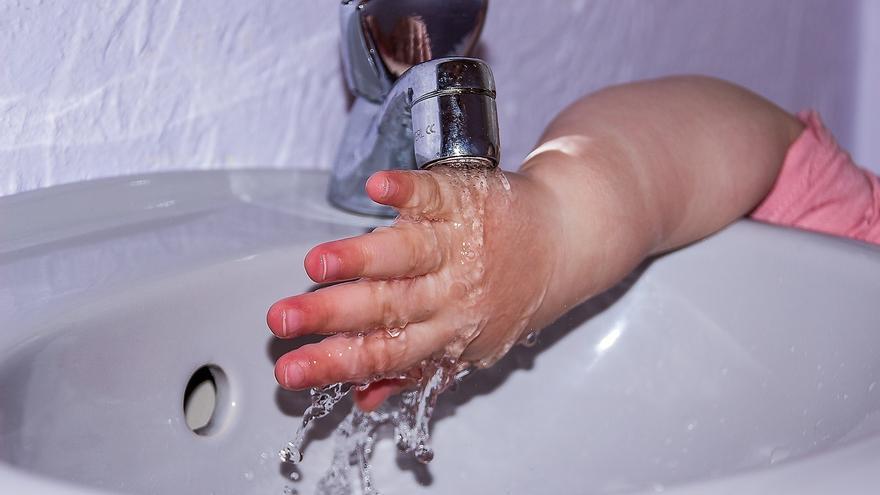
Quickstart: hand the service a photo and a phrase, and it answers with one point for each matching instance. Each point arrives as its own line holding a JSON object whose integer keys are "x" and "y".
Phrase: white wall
{"x": 798, "y": 53}
{"x": 93, "y": 89}
{"x": 867, "y": 112}
{"x": 103, "y": 88}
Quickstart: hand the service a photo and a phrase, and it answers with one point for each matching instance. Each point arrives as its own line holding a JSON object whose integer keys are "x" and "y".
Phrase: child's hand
{"x": 622, "y": 174}
{"x": 462, "y": 274}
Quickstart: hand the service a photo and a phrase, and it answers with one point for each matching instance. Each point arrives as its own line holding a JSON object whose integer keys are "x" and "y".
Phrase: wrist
{"x": 605, "y": 231}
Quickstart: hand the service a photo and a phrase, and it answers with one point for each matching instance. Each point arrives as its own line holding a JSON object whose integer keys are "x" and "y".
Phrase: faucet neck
{"x": 413, "y": 108}
{"x": 382, "y": 39}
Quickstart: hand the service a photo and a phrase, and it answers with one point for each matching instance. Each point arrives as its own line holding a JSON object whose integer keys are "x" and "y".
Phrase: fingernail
{"x": 389, "y": 187}
{"x": 329, "y": 266}
{"x": 290, "y": 319}
{"x": 294, "y": 375}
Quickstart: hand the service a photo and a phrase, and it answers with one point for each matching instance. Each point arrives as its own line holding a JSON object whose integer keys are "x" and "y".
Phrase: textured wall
{"x": 91, "y": 89}
{"x": 798, "y": 53}
{"x": 867, "y": 123}
{"x": 94, "y": 89}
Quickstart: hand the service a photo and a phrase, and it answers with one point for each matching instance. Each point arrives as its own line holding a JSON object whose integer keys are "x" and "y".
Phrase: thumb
{"x": 376, "y": 393}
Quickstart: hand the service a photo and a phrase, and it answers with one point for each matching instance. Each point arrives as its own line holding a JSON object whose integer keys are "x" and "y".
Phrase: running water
{"x": 355, "y": 437}
{"x": 411, "y": 413}
{"x": 323, "y": 400}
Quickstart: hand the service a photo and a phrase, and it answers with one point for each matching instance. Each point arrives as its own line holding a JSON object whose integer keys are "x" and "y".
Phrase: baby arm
{"x": 650, "y": 166}
{"x": 621, "y": 174}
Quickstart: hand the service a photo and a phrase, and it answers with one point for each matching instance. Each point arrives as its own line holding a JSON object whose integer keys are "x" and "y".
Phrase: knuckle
{"x": 388, "y": 310}
{"x": 435, "y": 195}
{"x": 315, "y": 311}
{"x": 387, "y": 296}
{"x": 432, "y": 257}
{"x": 407, "y": 183}
{"x": 381, "y": 301}
{"x": 386, "y": 354}
{"x": 365, "y": 256}
{"x": 377, "y": 359}
{"x": 415, "y": 253}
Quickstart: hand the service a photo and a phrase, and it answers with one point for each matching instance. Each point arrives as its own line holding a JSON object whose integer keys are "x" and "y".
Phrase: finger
{"x": 353, "y": 307}
{"x": 376, "y": 393}
{"x": 343, "y": 358}
{"x": 413, "y": 192}
{"x": 405, "y": 250}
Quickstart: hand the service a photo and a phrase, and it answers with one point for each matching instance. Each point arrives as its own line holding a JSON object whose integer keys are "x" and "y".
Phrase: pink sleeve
{"x": 820, "y": 188}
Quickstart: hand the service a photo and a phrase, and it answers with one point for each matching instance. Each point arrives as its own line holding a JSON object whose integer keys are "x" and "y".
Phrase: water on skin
{"x": 530, "y": 340}
{"x": 411, "y": 413}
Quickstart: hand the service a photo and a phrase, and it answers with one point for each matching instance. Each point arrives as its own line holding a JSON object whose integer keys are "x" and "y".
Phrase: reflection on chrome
{"x": 610, "y": 338}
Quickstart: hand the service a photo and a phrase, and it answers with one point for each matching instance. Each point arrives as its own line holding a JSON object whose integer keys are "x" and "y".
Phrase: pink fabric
{"x": 820, "y": 188}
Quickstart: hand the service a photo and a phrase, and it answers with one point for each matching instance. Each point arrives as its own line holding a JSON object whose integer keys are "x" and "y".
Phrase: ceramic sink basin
{"x": 747, "y": 363}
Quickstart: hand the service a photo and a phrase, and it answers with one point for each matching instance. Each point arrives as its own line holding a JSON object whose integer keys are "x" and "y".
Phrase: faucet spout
{"x": 412, "y": 109}
{"x": 437, "y": 110}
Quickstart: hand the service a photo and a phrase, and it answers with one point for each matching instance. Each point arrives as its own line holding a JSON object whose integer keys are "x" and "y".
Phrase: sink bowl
{"x": 746, "y": 363}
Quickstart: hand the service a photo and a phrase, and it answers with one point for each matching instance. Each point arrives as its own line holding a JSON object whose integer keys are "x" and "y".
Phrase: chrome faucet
{"x": 418, "y": 100}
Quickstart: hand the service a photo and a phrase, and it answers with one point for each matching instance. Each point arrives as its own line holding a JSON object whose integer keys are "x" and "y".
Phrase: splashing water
{"x": 411, "y": 413}
{"x": 411, "y": 431}
{"x": 355, "y": 437}
{"x": 323, "y": 400}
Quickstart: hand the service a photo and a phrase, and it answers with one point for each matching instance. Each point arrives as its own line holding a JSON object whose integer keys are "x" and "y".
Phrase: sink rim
{"x": 840, "y": 457}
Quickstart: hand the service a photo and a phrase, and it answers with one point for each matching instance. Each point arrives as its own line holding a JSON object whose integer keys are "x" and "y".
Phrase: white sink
{"x": 747, "y": 363}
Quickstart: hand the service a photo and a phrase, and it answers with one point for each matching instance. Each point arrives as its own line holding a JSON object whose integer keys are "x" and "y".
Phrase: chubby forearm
{"x": 642, "y": 168}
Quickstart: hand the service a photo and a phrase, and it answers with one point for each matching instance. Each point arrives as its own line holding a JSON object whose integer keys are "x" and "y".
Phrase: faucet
{"x": 418, "y": 100}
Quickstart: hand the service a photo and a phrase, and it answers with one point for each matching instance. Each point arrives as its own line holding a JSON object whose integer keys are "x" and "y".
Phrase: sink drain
{"x": 205, "y": 400}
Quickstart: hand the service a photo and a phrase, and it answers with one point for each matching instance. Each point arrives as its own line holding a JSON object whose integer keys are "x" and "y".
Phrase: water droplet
{"x": 393, "y": 332}
{"x": 530, "y": 339}
{"x": 424, "y": 454}
{"x": 400, "y": 441}
{"x": 871, "y": 387}
{"x": 323, "y": 400}
{"x": 504, "y": 182}
{"x": 291, "y": 454}
{"x": 691, "y": 426}
{"x": 249, "y": 475}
